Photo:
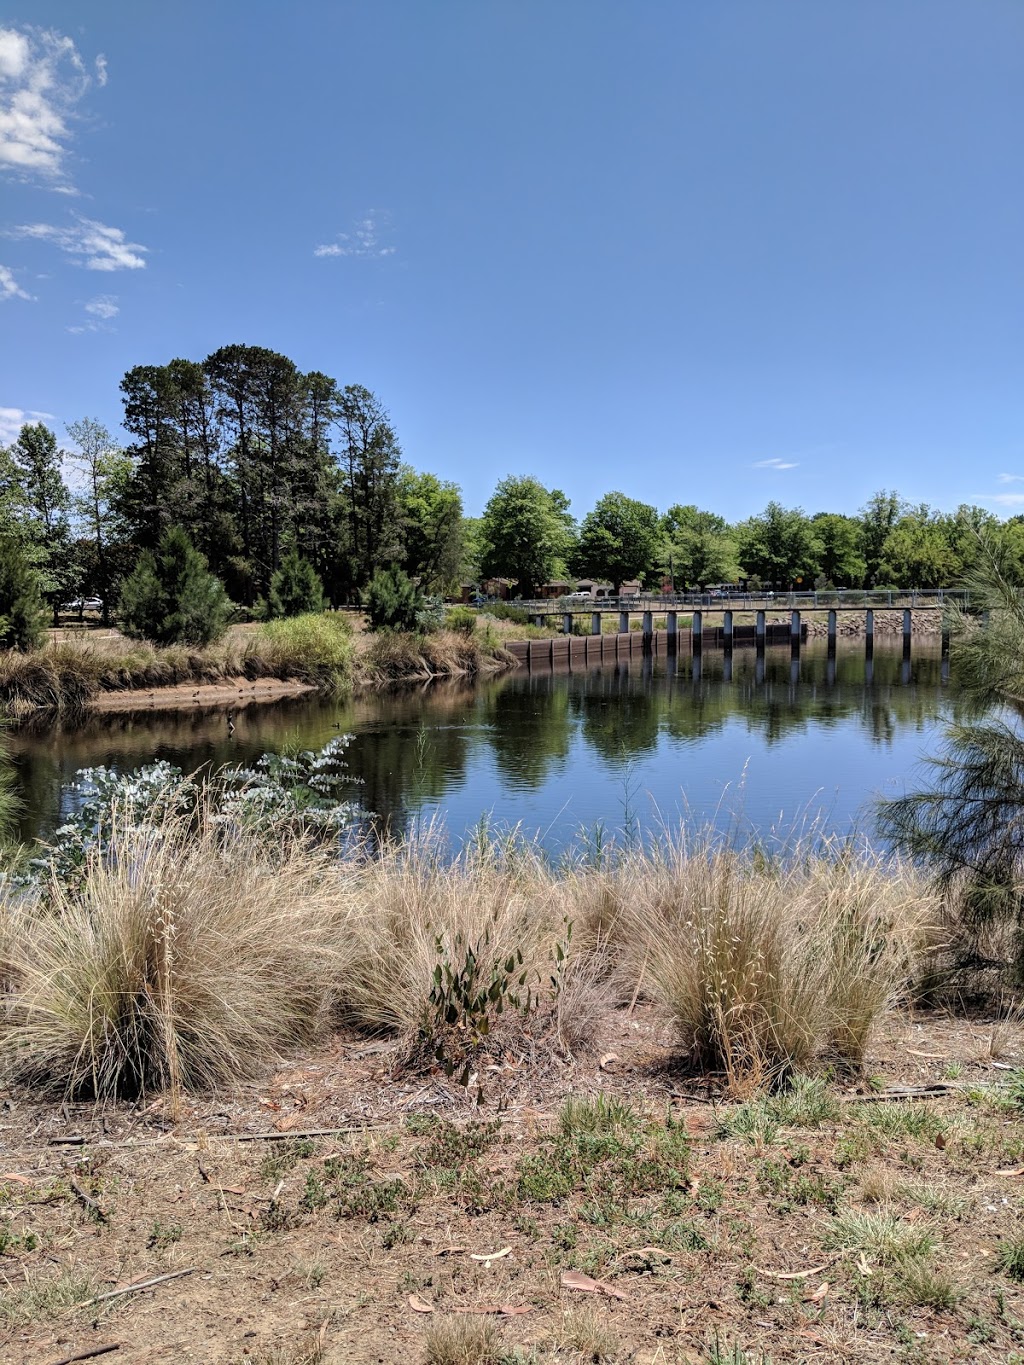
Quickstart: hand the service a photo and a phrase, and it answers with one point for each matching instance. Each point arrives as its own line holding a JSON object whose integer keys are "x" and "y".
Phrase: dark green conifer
{"x": 171, "y": 597}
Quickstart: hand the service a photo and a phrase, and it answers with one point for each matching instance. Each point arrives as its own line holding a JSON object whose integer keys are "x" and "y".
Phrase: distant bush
{"x": 171, "y": 597}
{"x": 430, "y": 616}
{"x": 393, "y": 601}
{"x": 295, "y": 588}
{"x": 503, "y": 611}
{"x": 461, "y": 619}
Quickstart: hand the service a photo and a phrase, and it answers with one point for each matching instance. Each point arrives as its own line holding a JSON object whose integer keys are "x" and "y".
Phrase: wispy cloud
{"x": 93, "y": 245}
{"x": 100, "y": 309}
{"x": 1010, "y": 478}
{"x": 775, "y": 464}
{"x": 9, "y": 286}
{"x": 1004, "y": 499}
{"x": 103, "y": 306}
{"x": 42, "y": 79}
{"x": 363, "y": 240}
{"x": 13, "y": 419}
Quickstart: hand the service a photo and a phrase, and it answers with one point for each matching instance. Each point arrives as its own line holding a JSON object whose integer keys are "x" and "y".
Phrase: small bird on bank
{"x": 231, "y": 722}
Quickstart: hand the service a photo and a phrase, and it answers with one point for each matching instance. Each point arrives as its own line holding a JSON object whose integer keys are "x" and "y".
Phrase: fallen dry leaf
{"x": 449, "y": 1251}
{"x": 607, "y": 1060}
{"x": 862, "y": 1265}
{"x": 287, "y": 1121}
{"x": 575, "y": 1279}
{"x": 940, "y": 1141}
{"x": 1012, "y": 1170}
{"x": 819, "y": 1293}
{"x": 419, "y": 1305}
{"x": 489, "y": 1256}
{"x": 21, "y": 1179}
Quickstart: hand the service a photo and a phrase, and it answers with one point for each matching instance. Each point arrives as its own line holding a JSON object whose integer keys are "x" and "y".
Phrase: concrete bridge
{"x": 598, "y": 645}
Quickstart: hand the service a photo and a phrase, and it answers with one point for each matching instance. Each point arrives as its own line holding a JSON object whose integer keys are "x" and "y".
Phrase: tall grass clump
{"x": 765, "y": 969}
{"x": 391, "y": 655}
{"x": 316, "y": 647}
{"x": 420, "y": 908}
{"x": 184, "y": 956}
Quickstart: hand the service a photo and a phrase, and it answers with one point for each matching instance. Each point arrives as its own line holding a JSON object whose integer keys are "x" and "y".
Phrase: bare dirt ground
{"x": 841, "y": 1224}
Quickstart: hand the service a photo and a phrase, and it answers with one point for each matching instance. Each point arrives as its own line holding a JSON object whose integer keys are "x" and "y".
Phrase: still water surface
{"x": 652, "y": 740}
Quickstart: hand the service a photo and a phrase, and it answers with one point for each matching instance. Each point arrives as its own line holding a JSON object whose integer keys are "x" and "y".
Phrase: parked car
{"x": 82, "y": 604}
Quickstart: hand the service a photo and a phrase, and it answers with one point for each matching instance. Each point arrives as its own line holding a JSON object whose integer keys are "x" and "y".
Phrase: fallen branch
{"x": 87, "y": 1201}
{"x": 90, "y": 1354}
{"x": 139, "y": 1284}
{"x": 299, "y": 1133}
{"x": 906, "y": 1092}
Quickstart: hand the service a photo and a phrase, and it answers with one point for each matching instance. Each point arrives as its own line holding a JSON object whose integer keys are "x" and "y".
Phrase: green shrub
{"x": 316, "y": 647}
{"x": 393, "y": 601}
{"x": 461, "y": 619}
{"x": 295, "y": 588}
{"x": 22, "y": 614}
{"x": 171, "y": 597}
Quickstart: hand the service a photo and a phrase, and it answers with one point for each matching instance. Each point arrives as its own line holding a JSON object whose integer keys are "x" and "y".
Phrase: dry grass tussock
{"x": 389, "y": 656}
{"x": 185, "y": 957}
{"x": 188, "y": 956}
{"x": 765, "y": 968}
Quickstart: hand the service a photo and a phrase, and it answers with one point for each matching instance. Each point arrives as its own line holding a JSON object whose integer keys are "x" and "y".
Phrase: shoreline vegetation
{"x": 320, "y": 652}
{"x": 316, "y": 652}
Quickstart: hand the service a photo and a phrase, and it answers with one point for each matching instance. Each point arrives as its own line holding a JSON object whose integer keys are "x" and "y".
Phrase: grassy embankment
{"x": 321, "y": 651}
{"x": 811, "y": 1218}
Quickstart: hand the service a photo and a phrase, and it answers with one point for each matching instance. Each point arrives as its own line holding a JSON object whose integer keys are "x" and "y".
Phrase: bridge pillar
{"x": 832, "y": 632}
{"x": 648, "y": 629}
{"x": 672, "y": 626}
{"x": 697, "y": 632}
{"x": 567, "y": 623}
{"x": 759, "y": 629}
{"x": 623, "y": 622}
{"x": 906, "y": 633}
{"x": 869, "y": 632}
{"x": 595, "y": 623}
{"x": 727, "y": 630}
{"x": 794, "y": 631}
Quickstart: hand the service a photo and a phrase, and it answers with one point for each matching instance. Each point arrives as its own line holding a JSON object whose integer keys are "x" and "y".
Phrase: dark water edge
{"x": 639, "y": 743}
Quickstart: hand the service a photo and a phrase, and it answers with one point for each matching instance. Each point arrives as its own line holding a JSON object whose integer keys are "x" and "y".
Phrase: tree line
{"x": 527, "y": 534}
{"x": 273, "y": 476}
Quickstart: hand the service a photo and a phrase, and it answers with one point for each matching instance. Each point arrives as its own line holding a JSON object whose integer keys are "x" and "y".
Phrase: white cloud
{"x": 1005, "y": 499}
{"x": 775, "y": 464}
{"x": 1010, "y": 478}
{"x": 103, "y": 306}
{"x": 13, "y": 419}
{"x": 9, "y": 286}
{"x": 89, "y": 243}
{"x": 363, "y": 240}
{"x": 42, "y": 79}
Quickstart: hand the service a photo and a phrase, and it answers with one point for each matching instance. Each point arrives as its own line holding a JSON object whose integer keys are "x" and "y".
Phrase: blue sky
{"x": 700, "y": 252}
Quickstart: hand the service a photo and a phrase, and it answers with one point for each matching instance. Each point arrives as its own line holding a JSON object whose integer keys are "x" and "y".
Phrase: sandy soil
{"x": 356, "y": 1243}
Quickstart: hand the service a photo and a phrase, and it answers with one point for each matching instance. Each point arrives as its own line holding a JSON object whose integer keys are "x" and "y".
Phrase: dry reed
{"x": 184, "y": 958}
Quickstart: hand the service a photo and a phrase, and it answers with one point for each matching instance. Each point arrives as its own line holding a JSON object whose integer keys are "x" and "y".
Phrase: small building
{"x": 496, "y": 589}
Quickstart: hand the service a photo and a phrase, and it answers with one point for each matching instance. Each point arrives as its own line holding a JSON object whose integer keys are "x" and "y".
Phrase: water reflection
{"x": 550, "y": 748}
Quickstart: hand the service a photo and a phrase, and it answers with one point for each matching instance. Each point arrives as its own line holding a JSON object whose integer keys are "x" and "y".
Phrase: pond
{"x": 645, "y": 742}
